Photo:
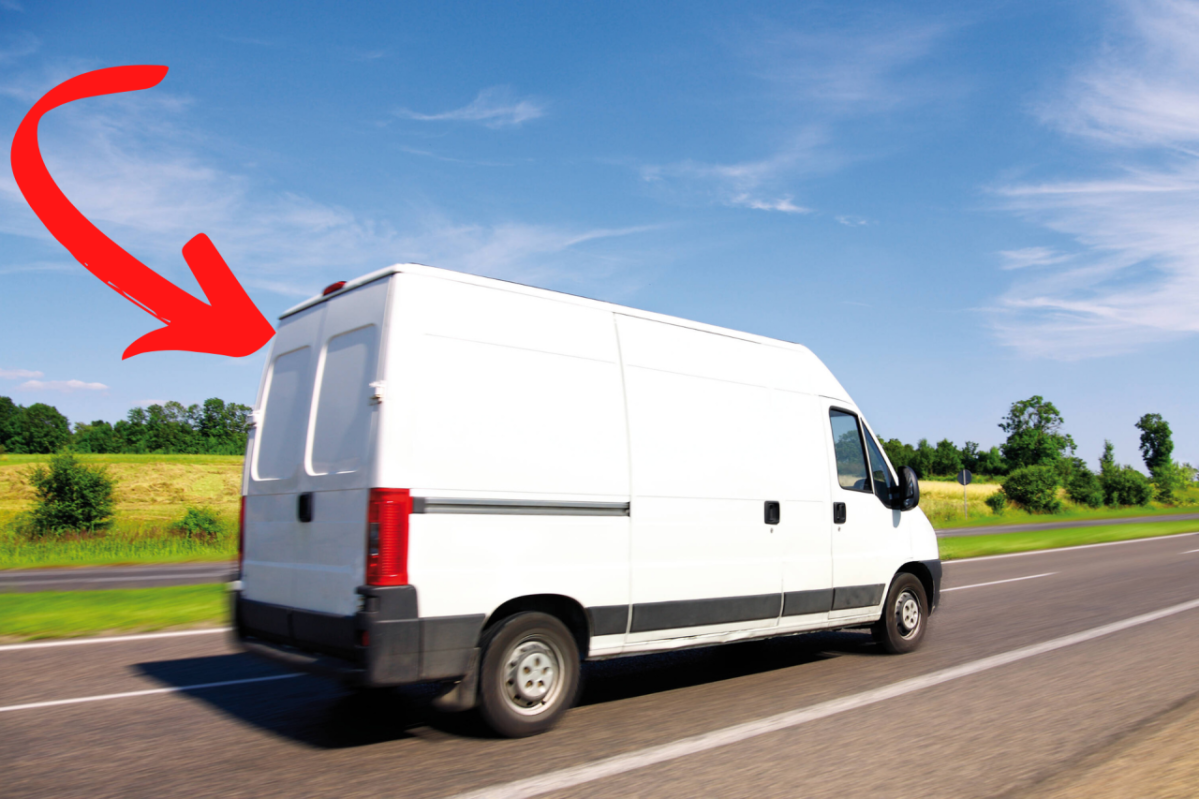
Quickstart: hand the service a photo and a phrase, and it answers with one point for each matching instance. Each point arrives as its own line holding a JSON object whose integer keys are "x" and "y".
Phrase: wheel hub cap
{"x": 907, "y": 614}
{"x": 532, "y": 670}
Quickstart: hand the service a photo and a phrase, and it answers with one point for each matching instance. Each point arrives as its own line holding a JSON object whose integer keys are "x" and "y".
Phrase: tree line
{"x": 214, "y": 427}
{"x": 1037, "y": 458}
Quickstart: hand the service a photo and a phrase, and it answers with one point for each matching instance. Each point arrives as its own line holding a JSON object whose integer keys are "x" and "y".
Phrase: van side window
{"x": 851, "y": 457}
{"x": 883, "y": 481}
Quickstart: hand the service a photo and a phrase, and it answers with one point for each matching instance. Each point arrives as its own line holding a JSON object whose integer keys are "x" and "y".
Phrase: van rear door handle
{"x": 838, "y": 513}
{"x": 304, "y": 507}
{"x": 773, "y": 512}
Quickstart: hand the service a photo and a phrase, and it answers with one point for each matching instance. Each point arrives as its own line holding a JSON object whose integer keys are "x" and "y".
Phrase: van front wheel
{"x": 905, "y": 615}
{"x": 529, "y": 675}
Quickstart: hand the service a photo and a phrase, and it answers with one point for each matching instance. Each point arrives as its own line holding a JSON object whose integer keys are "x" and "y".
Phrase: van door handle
{"x": 304, "y": 507}
{"x": 838, "y": 513}
{"x": 773, "y": 512}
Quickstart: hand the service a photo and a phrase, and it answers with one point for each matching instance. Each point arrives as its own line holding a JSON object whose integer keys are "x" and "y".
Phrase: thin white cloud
{"x": 11, "y": 5}
{"x": 814, "y": 82}
{"x": 783, "y": 204}
{"x": 19, "y": 374}
{"x": 1032, "y": 256}
{"x": 64, "y": 386}
{"x": 852, "y": 221}
{"x": 495, "y": 107}
{"x": 136, "y": 169}
{"x": 1135, "y": 279}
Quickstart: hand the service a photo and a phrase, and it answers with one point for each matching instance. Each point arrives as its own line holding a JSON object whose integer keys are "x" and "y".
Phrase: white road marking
{"x": 147, "y": 692}
{"x": 620, "y": 764}
{"x": 997, "y": 582}
{"x": 1189, "y": 551}
{"x": 1068, "y": 549}
{"x": 112, "y": 639}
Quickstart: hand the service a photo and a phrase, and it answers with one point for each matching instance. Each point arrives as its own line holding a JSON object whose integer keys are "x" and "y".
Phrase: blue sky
{"x": 955, "y": 206}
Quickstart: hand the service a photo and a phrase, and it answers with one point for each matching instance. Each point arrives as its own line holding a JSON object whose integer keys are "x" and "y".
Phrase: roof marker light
{"x": 332, "y": 287}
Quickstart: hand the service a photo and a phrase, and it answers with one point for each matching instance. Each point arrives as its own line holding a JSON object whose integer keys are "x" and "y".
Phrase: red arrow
{"x": 229, "y": 324}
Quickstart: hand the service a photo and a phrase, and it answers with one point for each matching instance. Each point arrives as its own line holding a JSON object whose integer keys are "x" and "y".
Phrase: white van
{"x": 462, "y": 480}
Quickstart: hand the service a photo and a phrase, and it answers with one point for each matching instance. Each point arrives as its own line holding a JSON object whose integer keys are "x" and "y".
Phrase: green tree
{"x": 9, "y": 411}
{"x": 1084, "y": 487}
{"x": 991, "y": 462}
{"x": 899, "y": 453}
{"x": 1034, "y": 487}
{"x": 1034, "y": 436}
{"x": 946, "y": 458}
{"x": 1107, "y": 461}
{"x": 38, "y": 429}
{"x": 97, "y": 437}
{"x": 1124, "y": 485}
{"x": 223, "y": 427}
{"x": 70, "y": 496}
{"x": 1157, "y": 444}
{"x": 922, "y": 458}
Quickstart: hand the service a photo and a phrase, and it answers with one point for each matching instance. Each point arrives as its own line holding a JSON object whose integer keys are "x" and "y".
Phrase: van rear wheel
{"x": 529, "y": 675}
{"x": 905, "y": 615}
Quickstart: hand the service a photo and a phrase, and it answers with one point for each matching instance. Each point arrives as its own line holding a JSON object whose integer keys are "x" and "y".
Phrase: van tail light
{"x": 332, "y": 287}
{"x": 241, "y": 537}
{"x": 387, "y": 536}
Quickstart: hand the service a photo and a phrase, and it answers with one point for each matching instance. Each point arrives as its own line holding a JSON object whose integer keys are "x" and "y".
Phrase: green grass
{"x": 64, "y": 614}
{"x": 973, "y": 546}
{"x": 113, "y": 549}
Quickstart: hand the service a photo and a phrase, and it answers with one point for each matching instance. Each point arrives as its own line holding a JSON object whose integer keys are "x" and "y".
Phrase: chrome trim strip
{"x": 518, "y": 507}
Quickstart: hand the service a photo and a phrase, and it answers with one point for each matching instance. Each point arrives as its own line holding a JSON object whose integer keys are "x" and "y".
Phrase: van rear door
{"x": 312, "y": 454}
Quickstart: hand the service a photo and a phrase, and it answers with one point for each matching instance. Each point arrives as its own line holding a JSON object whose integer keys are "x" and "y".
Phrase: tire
{"x": 539, "y": 648}
{"x": 905, "y": 616}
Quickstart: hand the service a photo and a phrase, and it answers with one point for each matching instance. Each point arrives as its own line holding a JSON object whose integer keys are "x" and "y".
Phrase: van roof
{"x": 507, "y": 285}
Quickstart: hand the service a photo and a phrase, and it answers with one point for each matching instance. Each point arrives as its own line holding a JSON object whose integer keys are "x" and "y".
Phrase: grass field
{"x": 64, "y": 614}
{"x": 153, "y": 491}
{"x": 974, "y": 546}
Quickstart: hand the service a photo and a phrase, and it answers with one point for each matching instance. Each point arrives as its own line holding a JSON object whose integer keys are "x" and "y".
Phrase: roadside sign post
{"x": 964, "y": 477}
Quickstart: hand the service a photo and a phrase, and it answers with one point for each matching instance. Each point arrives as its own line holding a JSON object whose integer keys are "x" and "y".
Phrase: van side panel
{"x": 704, "y": 463}
{"x": 506, "y": 397}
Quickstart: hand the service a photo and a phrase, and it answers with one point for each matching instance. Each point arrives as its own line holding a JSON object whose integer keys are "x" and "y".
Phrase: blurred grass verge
{"x": 153, "y": 493}
{"x": 66, "y": 614}
{"x": 974, "y": 546}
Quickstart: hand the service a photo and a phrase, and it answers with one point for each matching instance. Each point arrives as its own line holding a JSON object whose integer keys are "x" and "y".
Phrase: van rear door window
{"x": 343, "y": 409}
{"x": 285, "y": 417}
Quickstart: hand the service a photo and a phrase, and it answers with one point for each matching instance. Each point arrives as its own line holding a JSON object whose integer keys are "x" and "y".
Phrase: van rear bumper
{"x": 386, "y": 643}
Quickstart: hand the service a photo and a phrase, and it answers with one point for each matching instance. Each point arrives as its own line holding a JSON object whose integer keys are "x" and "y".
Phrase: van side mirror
{"x": 907, "y": 494}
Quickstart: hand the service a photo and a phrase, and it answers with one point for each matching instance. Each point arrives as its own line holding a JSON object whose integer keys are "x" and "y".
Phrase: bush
{"x": 1034, "y": 488}
{"x": 1084, "y": 488}
{"x": 70, "y": 496}
{"x": 200, "y": 523}
{"x": 1124, "y": 485}
{"x": 997, "y": 502}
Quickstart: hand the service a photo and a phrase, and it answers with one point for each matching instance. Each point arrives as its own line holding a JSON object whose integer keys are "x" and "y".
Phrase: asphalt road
{"x": 974, "y": 713}
{"x": 1032, "y": 528}
{"x": 100, "y": 577}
